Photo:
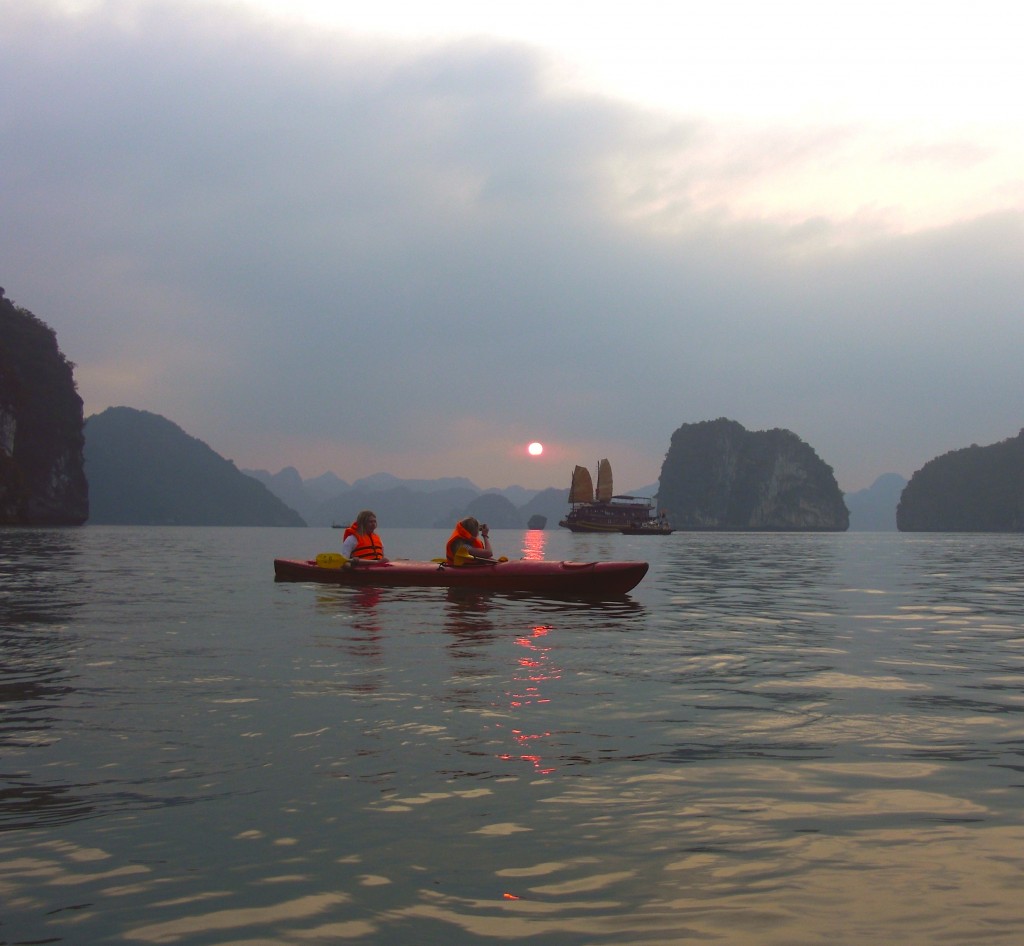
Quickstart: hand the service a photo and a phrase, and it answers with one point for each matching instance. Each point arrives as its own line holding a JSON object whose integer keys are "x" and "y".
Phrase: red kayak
{"x": 597, "y": 579}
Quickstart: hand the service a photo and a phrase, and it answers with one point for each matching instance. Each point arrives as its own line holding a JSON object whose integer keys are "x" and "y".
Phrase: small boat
{"x": 600, "y": 511}
{"x": 650, "y": 527}
{"x": 585, "y": 579}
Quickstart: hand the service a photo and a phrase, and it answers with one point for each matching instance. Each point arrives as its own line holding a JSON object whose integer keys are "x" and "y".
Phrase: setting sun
{"x": 535, "y": 449}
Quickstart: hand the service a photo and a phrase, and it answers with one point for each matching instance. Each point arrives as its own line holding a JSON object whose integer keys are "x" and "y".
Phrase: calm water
{"x": 789, "y": 740}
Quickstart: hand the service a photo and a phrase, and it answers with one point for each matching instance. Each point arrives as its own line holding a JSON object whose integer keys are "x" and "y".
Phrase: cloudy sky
{"x": 415, "y": 237}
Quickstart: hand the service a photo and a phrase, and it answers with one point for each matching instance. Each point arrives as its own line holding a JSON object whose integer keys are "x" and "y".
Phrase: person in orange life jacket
{"x": 361, "y": 544}
{"x": 469, "y": 541}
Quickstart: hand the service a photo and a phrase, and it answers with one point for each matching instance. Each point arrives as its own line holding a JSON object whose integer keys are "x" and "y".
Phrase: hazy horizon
{"x": 637, "y": 488}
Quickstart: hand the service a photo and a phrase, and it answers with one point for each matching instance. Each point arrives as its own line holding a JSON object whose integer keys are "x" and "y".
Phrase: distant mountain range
{"x": 328, "y": 500}
{"x": 144, "y": 469}
{"x": 874, "y": 509}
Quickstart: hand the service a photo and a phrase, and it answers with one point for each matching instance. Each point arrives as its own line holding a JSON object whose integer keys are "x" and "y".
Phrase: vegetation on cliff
{"x": 719, "y": 476}
{"x": 975, "y": 489}
{"x": 145, "y": 470}
{"x": 42, "y": 477}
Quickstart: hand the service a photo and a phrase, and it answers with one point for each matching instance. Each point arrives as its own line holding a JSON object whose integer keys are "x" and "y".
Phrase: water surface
{"x": 775, "y": 739}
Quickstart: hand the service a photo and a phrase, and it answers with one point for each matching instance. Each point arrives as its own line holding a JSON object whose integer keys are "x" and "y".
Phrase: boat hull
{"x": 590, "y": 579}
{"x": 610, "y": 516}
{"x": 580, "y": 526}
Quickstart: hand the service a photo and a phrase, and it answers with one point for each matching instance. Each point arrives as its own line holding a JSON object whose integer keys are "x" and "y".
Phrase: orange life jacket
{"x": 461, "y": 536}
{"x": 367, "y": 545}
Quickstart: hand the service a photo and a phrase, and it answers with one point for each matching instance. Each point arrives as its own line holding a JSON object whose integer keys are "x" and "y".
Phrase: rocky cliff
{"x": 719, "y": 476}
{"x": 975, "y": 489}
{"x": 42, "y": 477}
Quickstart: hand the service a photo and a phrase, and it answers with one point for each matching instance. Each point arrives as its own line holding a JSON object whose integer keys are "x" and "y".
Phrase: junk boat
{"x": 601, "y": 511}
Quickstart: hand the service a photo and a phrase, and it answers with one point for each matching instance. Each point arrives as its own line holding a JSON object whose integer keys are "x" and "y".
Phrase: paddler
{"x": 362, "y": 545}
{"x": 469, "y": 543}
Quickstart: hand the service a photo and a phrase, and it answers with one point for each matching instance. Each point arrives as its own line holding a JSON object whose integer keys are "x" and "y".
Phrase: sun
{"x": 535, "y": 449}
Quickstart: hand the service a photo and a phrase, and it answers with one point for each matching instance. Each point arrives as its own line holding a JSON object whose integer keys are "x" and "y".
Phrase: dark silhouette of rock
{"x": 145, "y": 470}
{"x": 719, "y": 476}
{"x": 42, "y": 476}
{"x": 874, "y": 509}
{"x": 975, "y": 489}
{"x": 549, "y": 503}
{"x": 537, "y": 522}
{"x": 497, "y": 511}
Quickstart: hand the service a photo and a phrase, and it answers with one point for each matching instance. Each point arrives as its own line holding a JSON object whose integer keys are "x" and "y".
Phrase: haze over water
{"x": 776, "y": 739}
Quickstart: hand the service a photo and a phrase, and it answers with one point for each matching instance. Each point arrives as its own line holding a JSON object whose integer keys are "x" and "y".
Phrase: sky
{"x": 414, "y": 238}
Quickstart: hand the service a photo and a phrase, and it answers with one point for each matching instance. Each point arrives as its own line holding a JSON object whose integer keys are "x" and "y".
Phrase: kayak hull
{"x": 598, "y": 579}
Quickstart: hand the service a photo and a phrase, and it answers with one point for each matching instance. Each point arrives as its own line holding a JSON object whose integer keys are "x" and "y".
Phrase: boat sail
{"x": 604, "y": 482}
{"x": 582, "y": 488}
{"x": 602, "y": 511}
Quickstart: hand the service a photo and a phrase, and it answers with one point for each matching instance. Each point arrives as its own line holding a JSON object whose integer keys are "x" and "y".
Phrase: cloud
{"x": 295, "y": 242}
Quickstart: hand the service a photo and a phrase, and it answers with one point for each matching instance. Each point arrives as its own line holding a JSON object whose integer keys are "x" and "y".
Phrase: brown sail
{"x": 604, "y": 482}
{"x": 582, "y": 488}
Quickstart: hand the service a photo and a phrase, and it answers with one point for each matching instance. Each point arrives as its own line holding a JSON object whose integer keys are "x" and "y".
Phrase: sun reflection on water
{"x": 534, "y": 669}
{"x": 534, "y": 544}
